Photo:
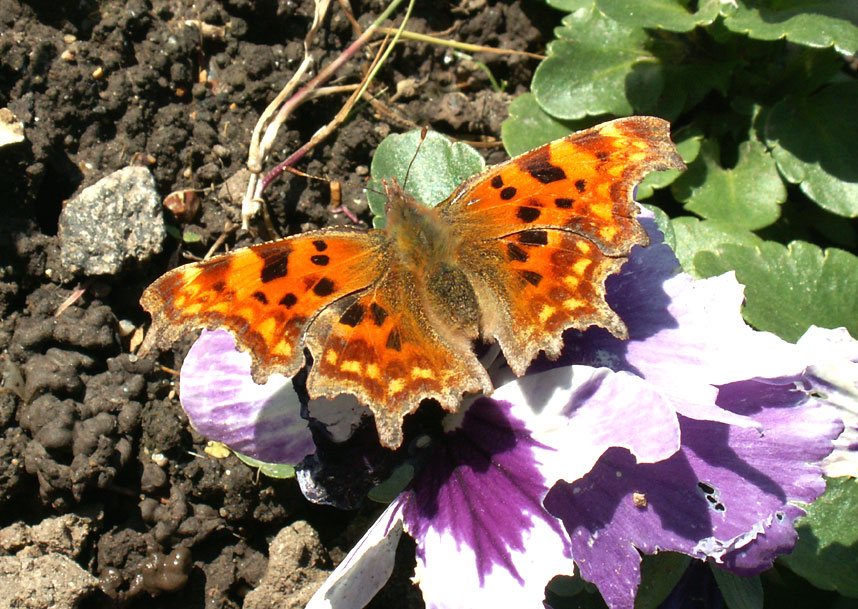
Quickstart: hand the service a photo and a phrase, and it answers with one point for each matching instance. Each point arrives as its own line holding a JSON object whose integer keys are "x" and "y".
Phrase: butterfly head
{"x": 416, "y": 227}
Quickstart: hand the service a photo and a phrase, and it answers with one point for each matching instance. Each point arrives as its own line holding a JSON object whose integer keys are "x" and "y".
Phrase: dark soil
{"x": 88, "y": 428}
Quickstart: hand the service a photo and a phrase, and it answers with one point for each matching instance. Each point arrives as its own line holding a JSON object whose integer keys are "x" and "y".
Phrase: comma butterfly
{"x": 518, "y": 253}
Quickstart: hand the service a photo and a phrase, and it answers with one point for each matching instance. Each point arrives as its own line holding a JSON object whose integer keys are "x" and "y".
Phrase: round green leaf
{"x": 827, "y": 549}
{"x": 692, "y": 235}
{"x": 788, "y": 289}
{"x": 672, "y": 15}
{"x": 813, "y": 140}
{"x": 529, "y": 126}
{"x": 815, "y": 23}
{"x": 748, "y": 195}
{"x": 437, "y": 169}
{"x": 597, "y": 66}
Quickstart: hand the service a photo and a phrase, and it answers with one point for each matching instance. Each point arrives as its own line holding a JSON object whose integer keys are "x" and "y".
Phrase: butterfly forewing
{"x": 582, "y": 183}
{"x": 265, "y": 295}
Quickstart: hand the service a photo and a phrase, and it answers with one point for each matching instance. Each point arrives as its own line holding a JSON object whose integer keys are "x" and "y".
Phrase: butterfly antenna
{"x": 423, "y": 133}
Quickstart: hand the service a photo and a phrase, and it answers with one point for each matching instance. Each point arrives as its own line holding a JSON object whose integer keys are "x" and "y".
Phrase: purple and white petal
{"x": 340, "y": 416}
{"x": 728, "y": 494}
{"x": 224, "y": 404}
{"x": 686, "y": 336}
{"x": 366, "y": 568}
{"x": 834, "y": 378}
{"x": 475, "y": 512}
{"x": 580, "y": 412}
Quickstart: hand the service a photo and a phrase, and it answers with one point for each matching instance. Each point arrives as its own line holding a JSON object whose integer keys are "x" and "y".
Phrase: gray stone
{"x": 41, "y": 573}
{"x": 115, "y": 222}
{"x": 52, "y": 580}
{"x": 64, "y": 535}
{"x": 297, "y": 566}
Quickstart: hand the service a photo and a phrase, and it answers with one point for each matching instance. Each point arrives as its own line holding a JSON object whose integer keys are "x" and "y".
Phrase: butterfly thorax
{"x": 421, "y": 237}
{"x": 427, "y": 248}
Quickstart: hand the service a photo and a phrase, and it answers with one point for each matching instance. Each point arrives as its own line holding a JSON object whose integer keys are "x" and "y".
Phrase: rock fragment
{"x": 113, "y": 223}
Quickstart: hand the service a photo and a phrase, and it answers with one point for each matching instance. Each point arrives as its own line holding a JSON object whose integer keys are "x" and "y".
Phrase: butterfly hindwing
{"x": 549, "y": 280}
{"x": 380, "y": 346}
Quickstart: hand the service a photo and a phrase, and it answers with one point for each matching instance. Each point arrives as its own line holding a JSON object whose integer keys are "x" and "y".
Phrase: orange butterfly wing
{"x": 380, "y": 346}
{"x": 542, "y": 232}
{"x": 265, "y": 295}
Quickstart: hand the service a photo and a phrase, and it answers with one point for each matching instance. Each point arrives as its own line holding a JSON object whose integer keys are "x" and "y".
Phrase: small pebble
{"x": 98, "y": 72}
{"x": 126, "y": 327}
{"x": 159, "y": 459}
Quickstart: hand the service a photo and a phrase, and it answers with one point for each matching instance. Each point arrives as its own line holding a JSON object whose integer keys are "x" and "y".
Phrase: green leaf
{"x": 272, "y": 470}
{"x": 597, "y": 66}
{"x": 790, "y": 288}
{"x": 692, "y": 235}
{"x": 390, "y": 489}
{"x": 688, "y": 146}
{"x": 748, "y": 195}
{"x": 189, "y": 236}
{"x": 662, "y": 221}
{"x": 695, "y": 77}
{"x": 659, "y": 575}
{"x": 529, "y": 126}
{"x": 813, "y": 140}
{"x": 672, "y": 15}
{"x": 739, "y": 592}
{"x": 827, "y": 549}
{"x": 571, "y": 5}
{"x": 814, "y": 23}
{"x": 438, "y": 168}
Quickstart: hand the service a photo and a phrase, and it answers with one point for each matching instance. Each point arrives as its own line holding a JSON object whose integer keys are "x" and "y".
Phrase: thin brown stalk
{"x": 462, "y": 46}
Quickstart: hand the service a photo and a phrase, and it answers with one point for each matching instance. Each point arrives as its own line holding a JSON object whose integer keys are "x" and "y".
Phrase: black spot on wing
{"x": 320, "y": 260}
{"x": 533, "y": 237}
{"x": 353, "y": 315}
{"x": 320, "y": 245}
{"x": 497, "y": 182}
{"x": 516, "y": 253}
{"x": 275, "y": 263}
{"x": 324, "y": 287}
{"x": 581, "y": 185}
{"x": 394, "y": 341}
{"x": 538, "y": 165}
{"x": 508, "y": 193}
{"x": 289, "y": 300}
{"x": 528, "y": 214}
{"x": 379, "y": 314}
{"x": 531, "y": 277}
{"x": 564, "y": 202}
{"x": 261, "y": 297}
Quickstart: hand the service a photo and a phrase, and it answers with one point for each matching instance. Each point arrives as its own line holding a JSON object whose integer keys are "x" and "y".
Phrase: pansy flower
{"x": 696, "y": 435}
